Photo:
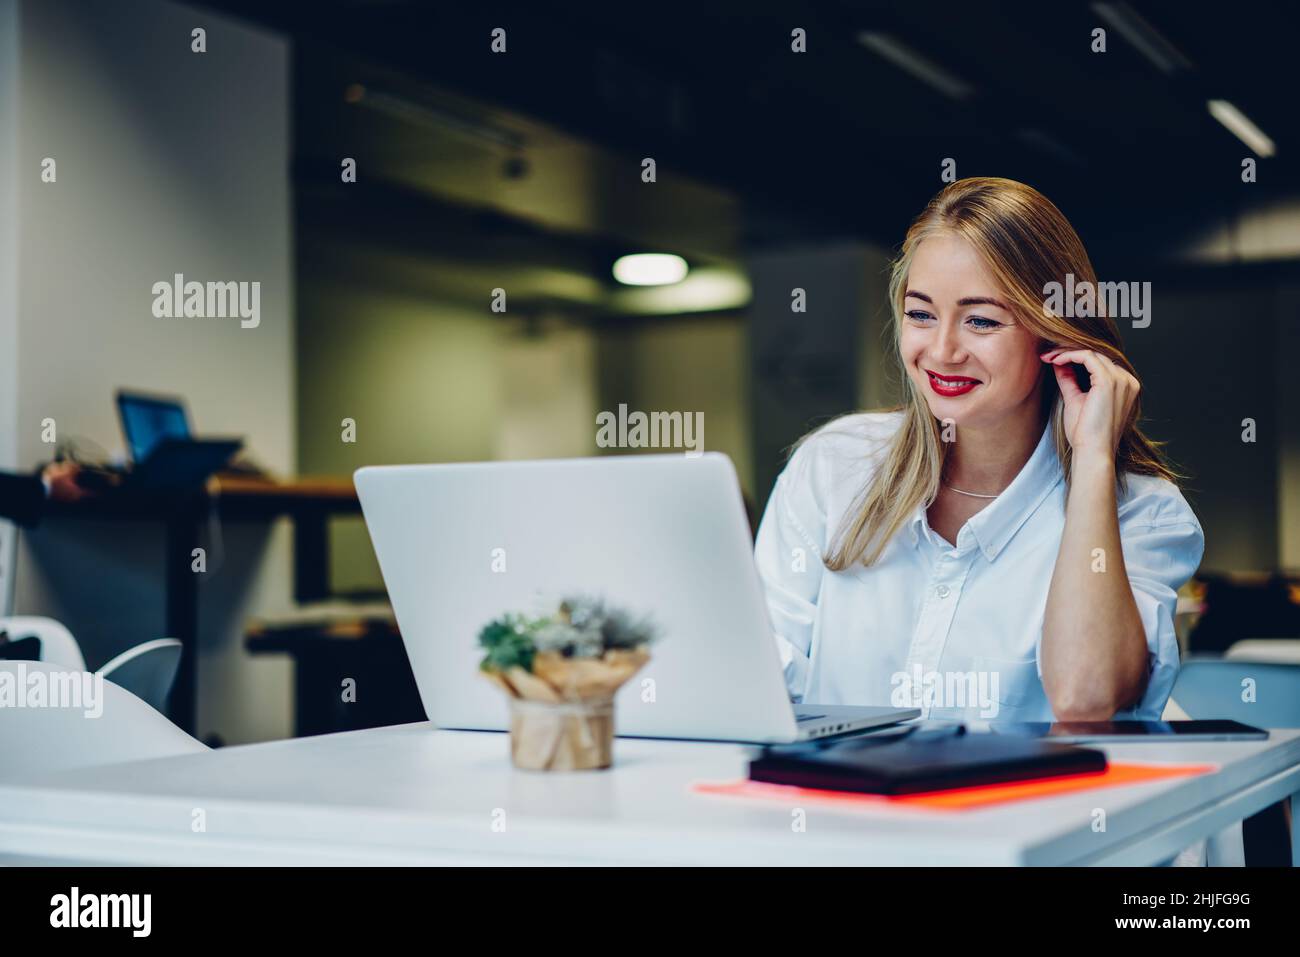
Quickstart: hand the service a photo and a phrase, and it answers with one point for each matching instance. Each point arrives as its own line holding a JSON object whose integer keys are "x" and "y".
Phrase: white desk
{"x": 413, "y": 795}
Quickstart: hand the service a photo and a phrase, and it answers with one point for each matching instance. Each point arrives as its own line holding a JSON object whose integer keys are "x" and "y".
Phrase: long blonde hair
{"x": 1027, "y": 243}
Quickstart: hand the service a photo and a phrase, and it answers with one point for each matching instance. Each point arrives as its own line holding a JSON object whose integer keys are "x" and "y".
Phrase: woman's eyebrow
{"x": 980, "y": 301}
{"x": 968, "y": 301}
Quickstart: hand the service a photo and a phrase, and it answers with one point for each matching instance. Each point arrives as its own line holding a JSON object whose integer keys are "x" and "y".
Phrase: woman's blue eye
{"x": 977, "y": 322}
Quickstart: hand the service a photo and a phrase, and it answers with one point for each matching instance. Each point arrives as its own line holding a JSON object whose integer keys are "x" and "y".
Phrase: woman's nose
{"x": 947, "y": 346}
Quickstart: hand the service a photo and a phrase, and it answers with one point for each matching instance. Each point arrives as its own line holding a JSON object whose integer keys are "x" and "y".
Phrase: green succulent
{"x": 509, "y": 642}
{"x": 582, "y": 627}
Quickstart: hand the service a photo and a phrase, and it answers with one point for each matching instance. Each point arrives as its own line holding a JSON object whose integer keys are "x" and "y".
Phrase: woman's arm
{"x": 1094, "y": 649}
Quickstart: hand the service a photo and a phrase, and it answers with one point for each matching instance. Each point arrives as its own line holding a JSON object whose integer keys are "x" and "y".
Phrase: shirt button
{"x": 942, "y": 591}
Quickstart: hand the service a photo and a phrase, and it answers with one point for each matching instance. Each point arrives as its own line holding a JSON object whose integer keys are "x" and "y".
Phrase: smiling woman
{"x": 1010, "y": 515}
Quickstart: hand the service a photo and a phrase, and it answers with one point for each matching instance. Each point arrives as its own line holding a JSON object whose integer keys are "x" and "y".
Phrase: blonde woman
{"x": 1006, "y": 545}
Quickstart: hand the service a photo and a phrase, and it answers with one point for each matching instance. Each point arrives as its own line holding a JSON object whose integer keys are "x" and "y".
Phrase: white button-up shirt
{"x": 956, "y": 631}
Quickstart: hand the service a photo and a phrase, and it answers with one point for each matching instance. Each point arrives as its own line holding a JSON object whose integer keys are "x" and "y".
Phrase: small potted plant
{"x": 560, "y": 674}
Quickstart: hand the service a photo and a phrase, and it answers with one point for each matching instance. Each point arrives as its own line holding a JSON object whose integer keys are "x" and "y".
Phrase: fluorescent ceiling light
{"x": 1145, "y": 38}
{"x": 1239, "y": 124}
{"x": 917, "y": 64}
{"x": 650, "y": 269}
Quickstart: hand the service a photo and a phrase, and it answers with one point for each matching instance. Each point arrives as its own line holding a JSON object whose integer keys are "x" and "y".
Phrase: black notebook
{"x": 903, "y": 766}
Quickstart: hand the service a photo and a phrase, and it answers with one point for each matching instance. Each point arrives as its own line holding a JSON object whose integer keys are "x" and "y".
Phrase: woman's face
{"x": 962, "y": 347}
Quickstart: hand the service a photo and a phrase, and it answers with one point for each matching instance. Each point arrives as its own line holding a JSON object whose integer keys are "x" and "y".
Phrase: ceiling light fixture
{"x": 916, "y": 64}
{"x": 650, "y": 269}
{"x": 1145, "y": 38}
{"x": 1239, "y": 124}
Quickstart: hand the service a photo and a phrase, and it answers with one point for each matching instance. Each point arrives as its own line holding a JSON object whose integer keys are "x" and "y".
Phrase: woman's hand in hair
{"x": 1094, "y": 420}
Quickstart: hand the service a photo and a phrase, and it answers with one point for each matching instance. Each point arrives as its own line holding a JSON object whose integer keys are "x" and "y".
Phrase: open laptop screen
{"x": 146, "y": 420}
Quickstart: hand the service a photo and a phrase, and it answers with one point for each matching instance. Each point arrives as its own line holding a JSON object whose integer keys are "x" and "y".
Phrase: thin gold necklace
{"x": 971, "y": 494}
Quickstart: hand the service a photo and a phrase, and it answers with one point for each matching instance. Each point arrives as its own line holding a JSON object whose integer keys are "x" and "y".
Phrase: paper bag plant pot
{"x": 562, "y": 711}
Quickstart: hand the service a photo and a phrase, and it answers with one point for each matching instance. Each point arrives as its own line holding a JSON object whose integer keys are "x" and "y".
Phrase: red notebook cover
{"x": 959, "y": 799}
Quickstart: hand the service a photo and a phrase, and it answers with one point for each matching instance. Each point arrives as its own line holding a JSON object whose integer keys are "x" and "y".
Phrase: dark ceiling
{"x": 838, "y": 141}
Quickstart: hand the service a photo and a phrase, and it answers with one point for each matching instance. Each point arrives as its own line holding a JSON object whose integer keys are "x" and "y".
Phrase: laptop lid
{"x": 148, "y": 419}
{"x": 663, "y": 535}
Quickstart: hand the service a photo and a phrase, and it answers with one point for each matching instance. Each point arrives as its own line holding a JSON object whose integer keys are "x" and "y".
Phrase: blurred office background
{"x": 522, "y": 171}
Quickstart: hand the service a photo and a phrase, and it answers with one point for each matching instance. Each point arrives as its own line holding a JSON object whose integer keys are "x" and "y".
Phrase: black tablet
{"x": 1074, "y": 732}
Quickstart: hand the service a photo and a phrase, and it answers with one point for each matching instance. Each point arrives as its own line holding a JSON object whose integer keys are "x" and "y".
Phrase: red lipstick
{"x": 951, "y": 385}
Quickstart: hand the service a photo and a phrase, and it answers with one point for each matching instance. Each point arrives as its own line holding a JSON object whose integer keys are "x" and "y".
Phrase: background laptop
{"x": 164, "y": 453}
{"x": 663, "y": 535}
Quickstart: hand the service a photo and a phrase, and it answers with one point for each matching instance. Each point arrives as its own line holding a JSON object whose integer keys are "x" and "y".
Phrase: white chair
{"x": 43, "y": 739}
{"x": 147, "y": 671}
{"x": 57, "y": 643}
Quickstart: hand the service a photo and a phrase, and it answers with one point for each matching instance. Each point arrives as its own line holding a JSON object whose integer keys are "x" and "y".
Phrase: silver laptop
{"x": 659, "y": 535}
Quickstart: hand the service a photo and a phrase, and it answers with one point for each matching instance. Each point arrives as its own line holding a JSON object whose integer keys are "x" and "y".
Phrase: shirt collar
{"x": 994, "y": 525}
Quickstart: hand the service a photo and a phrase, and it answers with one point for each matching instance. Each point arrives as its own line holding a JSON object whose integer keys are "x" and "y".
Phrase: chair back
{"x": 147, "y": 671}
{"x": 1261, "y": 693}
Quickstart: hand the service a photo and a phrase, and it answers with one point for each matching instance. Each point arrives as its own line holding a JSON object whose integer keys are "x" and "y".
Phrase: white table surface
{"x": 414, "y": 795}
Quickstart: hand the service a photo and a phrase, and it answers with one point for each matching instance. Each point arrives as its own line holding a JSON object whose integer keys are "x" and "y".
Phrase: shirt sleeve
{"x": 1163, "y": 544}
{"x": 22, "y": 498}
{"x": 788, "y": 553}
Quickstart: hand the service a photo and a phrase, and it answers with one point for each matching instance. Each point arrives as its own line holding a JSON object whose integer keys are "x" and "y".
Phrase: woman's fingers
{"x": 1118, "y": 386}
{"x": 1102, "y": 371}
{"x": 1096, "y": 364}
{"x": 1066, "y": 382}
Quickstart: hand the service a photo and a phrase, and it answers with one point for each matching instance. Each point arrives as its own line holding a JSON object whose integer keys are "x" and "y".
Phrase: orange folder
{"x": 959, "y": 799}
